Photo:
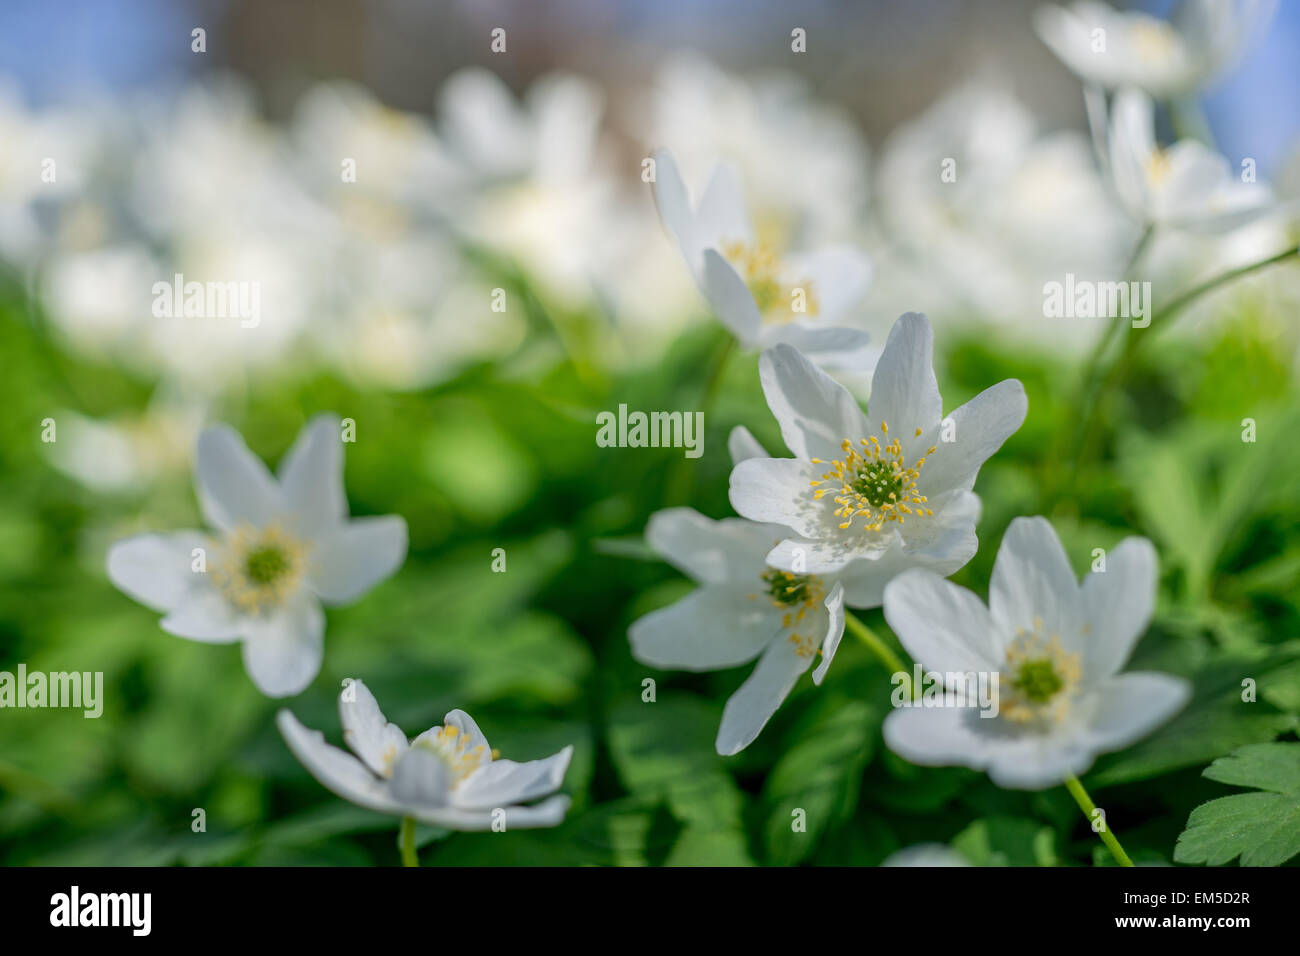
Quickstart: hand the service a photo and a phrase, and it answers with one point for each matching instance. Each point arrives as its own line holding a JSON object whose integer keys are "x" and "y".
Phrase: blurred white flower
{"x": 447, "y": 777}
{"x": 804, "y": 161}
{"x": 1057, "y": 647}
{"x": 1115, "y": 48}
{"x": 1186, "y": 186}
{"x": 759, "y": 290}
{"x": 281, "y": 548}
{"x": 534, "y": 188}
{"x": 979, "y": 208}
{"x": 128, "y": 453}
{"x": 926, "y": 854}
{"x": 882, "y": 495}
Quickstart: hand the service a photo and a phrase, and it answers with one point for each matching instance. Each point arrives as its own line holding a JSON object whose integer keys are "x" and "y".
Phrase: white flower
{"x": 1131, "y": 48}
{"x": 1188, "y": 185}
{"x": 1022, "y": 206}
{"x": 926, "y": 854}
{"x": 742, "y": 610}
{"x": 1058, "y": 648}
{"x": 893, "y": 491}
{"x": 447, "y": 777}
{"x": 757, "y": 290}
{"x": 281, "y": 548}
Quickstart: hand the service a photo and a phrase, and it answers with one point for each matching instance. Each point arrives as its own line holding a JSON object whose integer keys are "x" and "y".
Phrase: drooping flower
{"x": 1057, "y": 648}
{"x": 448, "y": 776}
{"x": 743, "y": 609}
{"x": 1185, "y": 186}
{"x": 757, "y": 289}
{"x": 890, "y": 492}
{"x": 1132, "y": 48}
{"x": 279, "y": 549}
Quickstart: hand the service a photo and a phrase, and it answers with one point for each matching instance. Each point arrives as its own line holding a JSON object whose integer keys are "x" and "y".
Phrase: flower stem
{"x": 1073, "y": 784}
{"x": 882, "y": 650}
{"x": 1088, "y": 427}
{"x": 409, "y": 856}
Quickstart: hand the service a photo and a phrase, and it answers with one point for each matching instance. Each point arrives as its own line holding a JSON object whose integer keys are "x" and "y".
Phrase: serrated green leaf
{"x": 1263, "y": 828}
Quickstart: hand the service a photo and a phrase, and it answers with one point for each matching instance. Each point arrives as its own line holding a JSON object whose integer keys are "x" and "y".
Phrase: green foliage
{"x": 1262, "y": 827}
{"x": 503, "y": 457}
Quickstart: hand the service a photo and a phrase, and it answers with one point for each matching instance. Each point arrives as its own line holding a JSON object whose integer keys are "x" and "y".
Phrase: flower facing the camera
{"x": 759, "y": 290}
{"x": 280, "y": 548}
{"x": 448, "y": 776}
{"x": 871, "y": 496}
{"x": 1056, "y": 648}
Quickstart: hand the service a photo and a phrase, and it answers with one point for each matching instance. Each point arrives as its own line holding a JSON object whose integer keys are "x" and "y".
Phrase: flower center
{"x": 796, "y": 594}
{"x": 1041, "y": 678}
{"x": 759, "y": 265}
{"x": 873, "y": 482}
{"x": 258, "y": 568}
{"x": 1154, "y": 41}
{"x": 453, "y": 748}
{"x": 1157, "y": 166}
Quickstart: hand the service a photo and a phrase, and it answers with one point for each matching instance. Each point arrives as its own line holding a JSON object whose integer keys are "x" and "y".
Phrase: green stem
{"x": 883, "y": 651}
{"x": 1073, "y": 784}
{"x": 1124, "y": 362}
{"x": 678, "y": 485}
{"x": 409, "y": 856}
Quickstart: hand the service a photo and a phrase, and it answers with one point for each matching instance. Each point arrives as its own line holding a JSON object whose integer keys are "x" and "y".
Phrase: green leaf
{"x": 1007, "y": 841}
{"x": 665, "y": 750}
{"x": 819, "y": 775}
{"x": 1263, "y": 827}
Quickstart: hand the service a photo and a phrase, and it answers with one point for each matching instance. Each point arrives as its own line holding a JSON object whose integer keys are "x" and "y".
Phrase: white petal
{"x": 709, "y": 551}
{"x": 946, "y": 548}
{"x": 960, "y": 737}
{"x": 713, "y": 627}
{"x": 1032, "y": 581}
{"x": 836, "y": 278}
{"x": 815, "y": 412}
{"x": 205, "y": 615}
{"x": 943, "y": 627}
{"x": 730, "y": 298}
{"x": 282, "y": 652}
{"x": 1128, "y": 707}
{"x": 825, "y": 346}
{"x": 721, "y": 216}
{"x": 754, "y": 703}
{"x": 234, "y": 485}
{"x": 505, "y": 782}
{"x": 311, "y": 475}
{"x": 548, "y": 813}
{"x": 421, "y": 779}
{"x": 1117, "y": 605}
{"x": 926, "y": 854}
{"x": 741, "y": 445}
{"x": 834, "y": 631}
{"x": 779, "y": 491}
{"x": 367, "y": 732}
{"x": 351, "y": 558}
{"x": 810, "y": 556}
{"x": 904, "y": 390}
{"x": 978, "y": 430}
{"x": 673, "y": 203}
{"x": 156, "y": 569}
{"x": 337, "y": 770}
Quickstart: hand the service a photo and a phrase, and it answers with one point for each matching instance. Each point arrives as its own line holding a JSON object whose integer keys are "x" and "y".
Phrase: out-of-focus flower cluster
{"x": 397, "y": 248}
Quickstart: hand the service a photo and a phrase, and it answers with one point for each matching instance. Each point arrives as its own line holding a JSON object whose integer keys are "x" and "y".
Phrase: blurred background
{"x": 521, "y": 171}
